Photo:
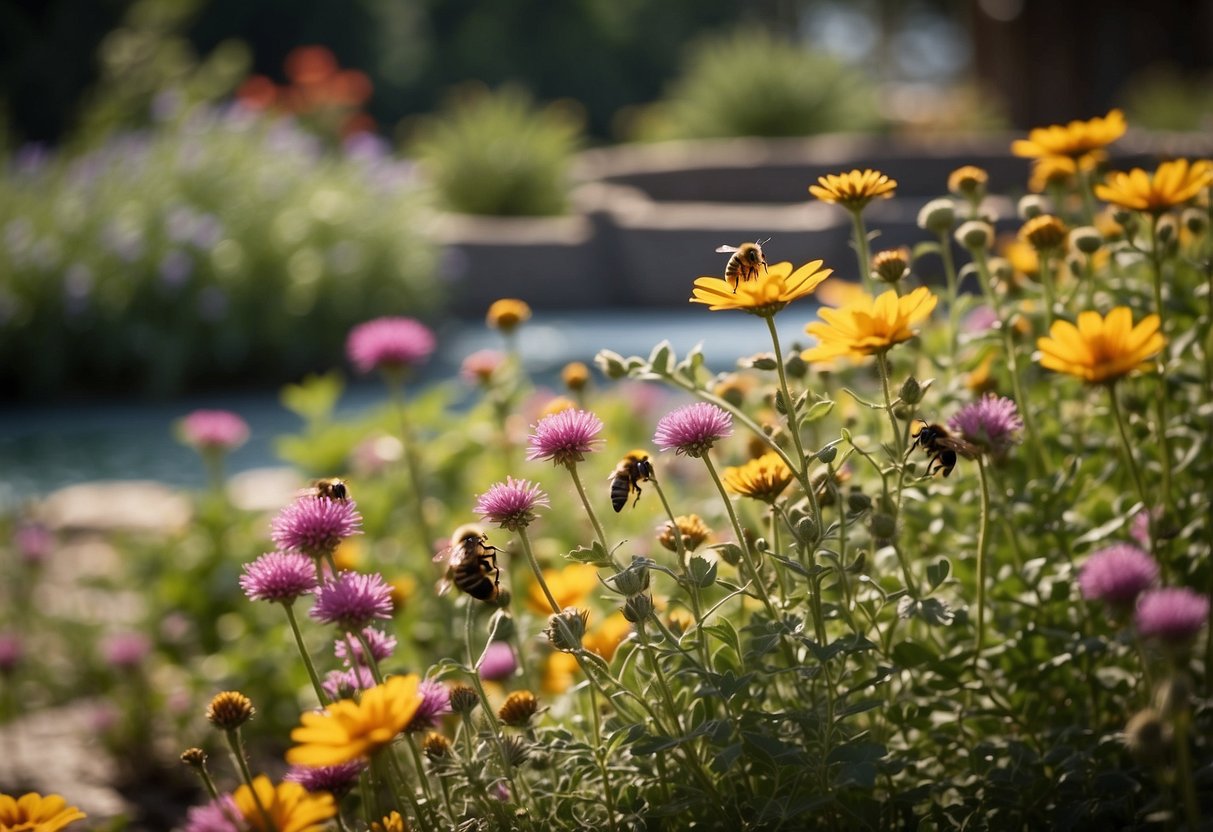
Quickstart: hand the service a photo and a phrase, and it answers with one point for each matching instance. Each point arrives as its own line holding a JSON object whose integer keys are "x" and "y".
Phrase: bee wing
{"x": 966, "y": 449}
{"x": 444, "y": 556}
{"x": 726, "y": 249}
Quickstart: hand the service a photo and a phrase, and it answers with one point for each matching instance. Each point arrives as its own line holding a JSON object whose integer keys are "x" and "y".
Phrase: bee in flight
{"x": 471, "y": 564}
{"x": 632, "y": 470}
{"x": 941, "y": 445}
{"x": 745, "y": 262}
{"x": 330, "y": 487}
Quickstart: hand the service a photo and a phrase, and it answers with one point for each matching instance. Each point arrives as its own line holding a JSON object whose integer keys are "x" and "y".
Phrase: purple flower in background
{"x": 565, "y": 437}
{"x": 389, "y": 343}
{"x": 1117, "y": 574}
{"x": 349, "y": 649}
{"x": 511, "y": 504}
{"x": 34, "y": 542}
{"x": 217, "y": 816}
{"x": 175, "y": 268}
{"x": 126, "y": 650}
{"x": 315, "y": 526}
{"x": 343, "y": 684}
{"x": 279, "y": 577}
{"x": 991, "y": 423}
{"x": 693, "y": 429}
{"x": 479, "y": 367}
{"x": 337, "y": 779}
{"x": 981, "y": 319}
{"x": 213, "y": 430}
{"x": 435, "y": 702}
{"x": 12, "y": 650}
{"x": 498, "y": 663}
{"x": 1171, "y": 614}
{"x": 353, "y": 600}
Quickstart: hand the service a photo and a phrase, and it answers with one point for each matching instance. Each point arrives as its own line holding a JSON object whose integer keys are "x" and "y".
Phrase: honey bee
{"x": 330, "y": 487}
{"x": 632, "y": 470}
{"x": 941, "y": 445}
{"x": 745, "y": 262}
{"x": 471, "y": 564}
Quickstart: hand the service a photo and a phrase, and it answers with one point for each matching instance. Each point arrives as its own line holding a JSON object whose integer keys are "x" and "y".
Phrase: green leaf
{"x": 702, "y": 571}
{"x": 924, "y": 248}
{"x": 912, "y": 654}
{"x": 937, "y": 572}
{"x": 594, "y": 554}
{"x": 723, "y": 630}
{"x": 819, "y": 410}
{"x": 660, "y": 357}
{"x": 314, "y": 398}
{"x": 857, "y": 752}
{"x": 1101, "y": 532}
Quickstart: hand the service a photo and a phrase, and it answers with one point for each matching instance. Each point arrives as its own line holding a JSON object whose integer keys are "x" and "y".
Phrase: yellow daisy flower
{"x": 559, "y": 672}
{"x": 291, "y": 808}
{"x": 840, "y": 293}
{"x": 607, "y": 636}
{"x": 868, "y": 325}
{"x": 556, "y": 404}
{"x": 34, "y": 813}
{"x": 569, "y": 585}
{"x": 349, "y": 730}
{"x": 507, "y": 314}
{"x": 773, "y": 289}
{"x": 968, "y": 180}
{"x": 763, "y": 478}
{"x": 1099, "y": 348}
{"x": 1172, "y": 184}
{"x": 1052, "y": 170}
{"x": 690, "y": 527}
{"x": 392, "y": 823}
{"x": 853, "y": 190}
{"x": 1082, "y": 141}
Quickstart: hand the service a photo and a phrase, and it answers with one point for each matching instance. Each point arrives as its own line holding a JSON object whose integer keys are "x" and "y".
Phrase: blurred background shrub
{"x": 752, "y": 83}
{"x": 497, "y": 152}
{"x": 221, "y": 247}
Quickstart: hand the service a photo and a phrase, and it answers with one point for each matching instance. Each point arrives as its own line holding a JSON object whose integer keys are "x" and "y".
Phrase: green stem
{"x": 684, "y": 567}
{"x": 489, "y": 715}
{"x": 530, "y": 556}
{"x": 237, "y": 749}
{"x": 413, "y": 467}
{"x": 307, "y": 659}
{"x": 949, "y": 272}
{"x": 600, "y": 756}
{"x": 883, "y": 364}
{"x": 861, "y": 249}
{"x": 1127, "y": 447}
{"x": 982, "y": 542}
{"x": 793, "y": 418}
{"x": 1161, "y": 399}
{"x": 1183, "y": 759}
{"x": 589, "y": 509}
{"x": 1044, "y": 257}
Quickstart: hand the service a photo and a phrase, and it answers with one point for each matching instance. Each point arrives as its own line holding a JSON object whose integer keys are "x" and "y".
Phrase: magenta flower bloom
{"x": 278, "y": 576}
{"x": 1139, "y": 526}
{"x": 349, "y": 649}
{"x": 315, "y": 525}
{"x": 34, "y": 542}
{"x": 343, "y": 684}
{"x": 12, "y": 650}
{"x": 693, "y": 429}
{"x": 991, "y": 423}
{"x": 337, "y": 780}
{"x": 390, "y": 344}
{"x": 565, "y": 437}
{"x": 353, "y": 600}
{"x": 981, "y": 319}
{"x": 479, "y": 367}
{"x": 435, "y": 702}
{"x": 511, "y": 504}
{"x": 1171, "y": 614}
{"x": 124, "y": 651}
{"x": 213, "y": 430}
{"x": 217, "y": 816}
{"x": 498, "y": 663}
{"x": 1117, "y": 574}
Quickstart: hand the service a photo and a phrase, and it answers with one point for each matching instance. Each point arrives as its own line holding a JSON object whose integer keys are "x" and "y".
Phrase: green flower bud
{"x": 911, "y": 391}
{"x": 884, "y": 525}
{"x": 638, "y": 607}
{"x": 857, "y": 501}
{"x": 975, "y": 234}
{"x": 1196, "y": 221}
{"x": 796, "y": 366}
{"x": 566, "y": 629}
{"x": 1032, "y": 206}
{"x": 633, "y": 580}
{"x": 938, "y": 215}
{"x": 1167, "y": 228}
{"x": 1086, "y": 239}
{"x": 827, "y": 454}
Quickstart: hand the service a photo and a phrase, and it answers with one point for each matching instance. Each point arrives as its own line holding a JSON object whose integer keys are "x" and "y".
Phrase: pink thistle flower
{"x": 511, "y": 504}
{"x": 498, "y": 663}
{"x": 981, "y": 319}
{"x": 390, "y": 344}
{"x": 343, "y": 684}
{"x": 1139, "y": 526}
{"x": 435, "y": 702}
{"x": 352, "y": 600}
{"x": 315, "y": 525}
{"x": 213, "y": 430}
{"x": 338, "y": 779}
{"x": 693, "y": 429}
{"x": 124, "y": 651}
{"x": 479, "y": 367}
{"x": 1171, "y": 614}
{"x": 217, "y": 816}
{"x": 1117, "y": 574}
{"x": 349, "y": 649}
{"x": 991, "y": 423}
{"x": 12, "y": 650}
{"x": 34, "y": 542}
{"x": 279, "y": 577}
{"x": 565, "y": 437}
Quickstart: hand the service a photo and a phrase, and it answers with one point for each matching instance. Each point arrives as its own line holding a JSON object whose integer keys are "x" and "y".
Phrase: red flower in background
{"x": 318, "y": 92}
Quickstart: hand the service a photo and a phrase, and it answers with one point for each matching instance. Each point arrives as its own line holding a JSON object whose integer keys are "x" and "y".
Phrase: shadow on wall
{"x": 648, "y": 218}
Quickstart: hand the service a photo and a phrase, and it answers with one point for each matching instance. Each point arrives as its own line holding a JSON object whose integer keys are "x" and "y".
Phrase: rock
{"x": 116, "y": 505}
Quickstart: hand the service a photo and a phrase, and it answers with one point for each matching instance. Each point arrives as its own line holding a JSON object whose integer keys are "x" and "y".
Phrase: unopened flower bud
{"x": 975, "y": 234}
{"x": 502, "y": 599}
{"x": 1174, "y": 695}
{"x": 229, "y": 710}
{"x": 1032, "y": 206}
{"x": 1001, "y": 270}
{"x": 435, "y": 746}
{"x": 1126, "y": 219}
{"x": 1086, "y": 239}
{"x": 193, "y": 757}
{"x": 807, "y": 530}
{"x": 968, "y": 181}
{"x": 1045, "y": 232}
{"x": 463, "y": 699}
{"x": 575, "y": 376}
{"x": 1166, "y": 228}
{"x": 763, "y": 361}
{"x": 857, "y": 501}
{"x": 518, "y": 709}
{"x": 566, "y": 629}
{"x": 1195, "y": 221}
{"x": 501, "y": 627}
{"x": 515, "y": 749}
{"x": 796, "y": 366}
{"x": 827, "y": 454}
{"x": 1148, "y": 738}
{"x": 892, "y": 265}
{"x": 884, "y": 525}
{"x": 638, "y": 607}
{"x": 633, "y": 580}
{"x": 938, "y": 215}
{"x": 911, "y": 391}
